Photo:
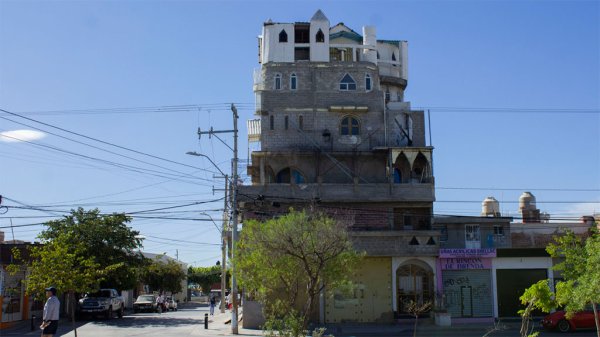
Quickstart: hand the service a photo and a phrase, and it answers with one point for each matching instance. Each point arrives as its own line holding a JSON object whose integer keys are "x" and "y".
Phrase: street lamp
{"x": 224, "y": 239}
{"x": 194, "y": 153}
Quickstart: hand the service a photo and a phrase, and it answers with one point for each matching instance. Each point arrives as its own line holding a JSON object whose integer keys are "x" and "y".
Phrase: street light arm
{"x": 194, "y": 153}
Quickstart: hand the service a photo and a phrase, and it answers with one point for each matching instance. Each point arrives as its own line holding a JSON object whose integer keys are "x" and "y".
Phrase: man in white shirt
{"x": 51, "y": 311}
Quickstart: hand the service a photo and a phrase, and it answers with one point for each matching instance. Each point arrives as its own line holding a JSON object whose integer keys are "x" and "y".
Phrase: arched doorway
{"x": 414, "y": 282}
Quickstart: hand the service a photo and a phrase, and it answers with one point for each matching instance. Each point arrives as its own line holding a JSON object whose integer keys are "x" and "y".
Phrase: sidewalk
{"x": 220, "y": 325}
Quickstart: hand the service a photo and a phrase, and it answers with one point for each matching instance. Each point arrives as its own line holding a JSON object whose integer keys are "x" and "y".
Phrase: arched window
{"x": 271, "y": 122}
{"x": 278, "y": 82}
{"x": 320, "y": 36}
{"x": 347, "y": 83}
{"x": 368, "y": 82}
{"x": 393, "y": 56}
{"x": 283, "y": 36}
{"x": 301, "y": 122}
{"x": 293, "y": 82}
{"x": 286, "y": 122}
{"x": 289, "y": 176}
{"x": 349, "y": 126}
{"x": 378, "y": 55}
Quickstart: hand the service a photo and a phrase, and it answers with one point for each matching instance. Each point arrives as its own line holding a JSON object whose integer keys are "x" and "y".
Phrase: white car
{"x": 171, "y": 304}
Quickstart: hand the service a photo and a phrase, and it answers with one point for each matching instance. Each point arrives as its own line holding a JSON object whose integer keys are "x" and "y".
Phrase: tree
{"x": 164, "y": 275}
{"x": 206, "y": 276}
{"x": 538, "y": 296}
{"x": 64, "y": 264}
{"x": 581, "y": 271}
{"x": 286, "y": 262}
{"x": 105, "y": 239}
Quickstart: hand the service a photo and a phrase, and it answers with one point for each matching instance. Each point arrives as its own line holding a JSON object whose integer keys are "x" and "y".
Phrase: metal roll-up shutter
{"x": 468, "y": 293}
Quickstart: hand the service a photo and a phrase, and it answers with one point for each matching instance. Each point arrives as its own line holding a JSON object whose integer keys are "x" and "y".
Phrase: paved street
{"x": 189, "y": 321}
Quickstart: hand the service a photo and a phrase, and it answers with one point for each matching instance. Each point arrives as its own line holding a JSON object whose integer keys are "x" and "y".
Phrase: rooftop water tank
{"x": 490, "y": 207}
{"x": 527, "y": 202}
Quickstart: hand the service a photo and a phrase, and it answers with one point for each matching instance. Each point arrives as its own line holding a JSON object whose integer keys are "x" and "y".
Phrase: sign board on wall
{"x": 458, "y": 263}
{"x": 467, "y": 252}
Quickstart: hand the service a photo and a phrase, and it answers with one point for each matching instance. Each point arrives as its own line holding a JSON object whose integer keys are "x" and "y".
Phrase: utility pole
{"x": 224, "y": 248}
{"x": 234, "y": 187}
{"x": 234, "y": 234}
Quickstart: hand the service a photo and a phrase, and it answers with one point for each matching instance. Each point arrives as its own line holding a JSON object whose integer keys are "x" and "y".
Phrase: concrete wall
{"x": 253, "y": 315}
{"x": 539, "y": 235}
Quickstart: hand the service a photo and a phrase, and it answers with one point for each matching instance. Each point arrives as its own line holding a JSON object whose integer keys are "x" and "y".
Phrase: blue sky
{"x": 512, "y": 87}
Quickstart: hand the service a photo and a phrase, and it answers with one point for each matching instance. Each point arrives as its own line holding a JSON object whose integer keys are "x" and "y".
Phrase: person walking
{"x": 213, "y": 302}
{"x": 51, "y": 310}
{"x": 160, "y": 302}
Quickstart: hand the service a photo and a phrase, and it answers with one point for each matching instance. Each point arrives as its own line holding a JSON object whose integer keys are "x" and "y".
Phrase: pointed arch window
{"x": 394, "y": 58}
{"x": 290, "y": 176}
{"x": 278, "y": 82}
{"x": 286, "y": 122}
{"x": 368, "y": 84}
{"x": 283, "y": 36}
{"x": 293, "y": 82}
{"x": 320, "y": 36}
{"x": 347, "y": 83}
{"x": 349, "y": 126}
{"x": 301, "y": 122}
{"x": 271, "y": 122}
{"x": 378, "y": 55}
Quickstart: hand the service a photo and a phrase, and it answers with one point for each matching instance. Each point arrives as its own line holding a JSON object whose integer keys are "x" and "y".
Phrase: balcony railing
{"x": 397, "y": 243}
{"x": 376, "y": 192}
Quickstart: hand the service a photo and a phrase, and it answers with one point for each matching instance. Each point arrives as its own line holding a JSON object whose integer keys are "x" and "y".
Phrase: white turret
{"x": 369, "y": 39}
{"x": 319, "y": 37}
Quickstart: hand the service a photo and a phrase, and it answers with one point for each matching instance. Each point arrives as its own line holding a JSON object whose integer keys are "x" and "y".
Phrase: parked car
{"x": 145, "y": 303}
{"x": 105, "y": 302}
{"x": 171, "y": 304}
{"x": 580, "y": 320}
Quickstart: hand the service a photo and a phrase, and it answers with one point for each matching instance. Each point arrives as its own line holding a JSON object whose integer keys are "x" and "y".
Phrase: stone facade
{"x": 337, "y": 135}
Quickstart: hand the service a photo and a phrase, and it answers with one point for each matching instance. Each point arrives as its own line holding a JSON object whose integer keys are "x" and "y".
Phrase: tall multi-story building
{"x": 335, "y": 131}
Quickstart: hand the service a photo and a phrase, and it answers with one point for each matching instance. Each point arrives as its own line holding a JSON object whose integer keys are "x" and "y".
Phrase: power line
{"x": 102, "y": 149}
{"x": 111, "y": 163}
{"x": 101, "y": 141}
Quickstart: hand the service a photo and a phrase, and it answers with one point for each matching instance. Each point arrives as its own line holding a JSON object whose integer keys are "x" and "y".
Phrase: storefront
{"x": 465, "y": 283}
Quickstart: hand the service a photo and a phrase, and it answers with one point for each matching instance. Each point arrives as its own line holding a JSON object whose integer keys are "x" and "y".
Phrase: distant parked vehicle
{"x": 171, "y": 304}
{"x": 105, "y": 302}
{"x": 145, "y": 303}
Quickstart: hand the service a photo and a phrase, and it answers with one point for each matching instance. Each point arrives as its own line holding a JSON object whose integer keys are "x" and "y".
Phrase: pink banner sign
{"x": 458, "y": 263}
{"x": 466, "y": 252}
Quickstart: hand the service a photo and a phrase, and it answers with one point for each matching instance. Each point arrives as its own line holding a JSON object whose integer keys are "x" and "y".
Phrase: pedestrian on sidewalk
{"x": 213, "y": 302}
{"x": 50, "y": 316}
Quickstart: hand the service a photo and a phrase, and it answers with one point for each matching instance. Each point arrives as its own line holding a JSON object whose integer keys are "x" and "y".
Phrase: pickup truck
{"x": 105, "y": 302}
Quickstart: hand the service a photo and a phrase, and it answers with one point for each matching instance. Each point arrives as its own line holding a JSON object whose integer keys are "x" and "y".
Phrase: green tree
{"x": 64, "y": 264}
{"x": 538, "y": 296}
{"x": 286, "y": 262}
{"x": 581, "y": 271}
{"x": 105, "y": 239}
{"x": 164, "y": 275}
{"x": 206, "y": 276}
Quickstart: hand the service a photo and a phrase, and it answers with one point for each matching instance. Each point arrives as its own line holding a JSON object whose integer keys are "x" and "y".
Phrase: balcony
{"x": 364, "y": 193}
{"x": 397, "y": 243}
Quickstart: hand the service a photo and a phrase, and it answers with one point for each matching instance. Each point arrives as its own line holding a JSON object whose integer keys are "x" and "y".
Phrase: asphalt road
{"x": 189, "y": 321}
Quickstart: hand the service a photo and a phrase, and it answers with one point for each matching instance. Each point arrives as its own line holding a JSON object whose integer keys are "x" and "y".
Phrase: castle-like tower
{"x": 334, "y": 131}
